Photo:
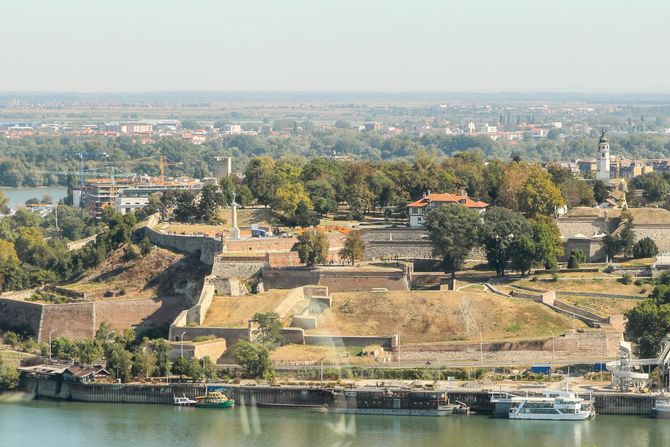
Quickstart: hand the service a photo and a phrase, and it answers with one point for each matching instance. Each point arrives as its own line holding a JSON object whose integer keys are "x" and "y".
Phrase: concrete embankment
{"x": 478, "y": 400}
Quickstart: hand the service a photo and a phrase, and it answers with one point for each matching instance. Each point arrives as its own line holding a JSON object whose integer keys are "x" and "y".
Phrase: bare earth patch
{"x": 431, "y": 316}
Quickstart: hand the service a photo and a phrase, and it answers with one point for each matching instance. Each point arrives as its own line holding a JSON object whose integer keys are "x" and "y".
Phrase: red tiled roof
{"x": 448, "y": 198}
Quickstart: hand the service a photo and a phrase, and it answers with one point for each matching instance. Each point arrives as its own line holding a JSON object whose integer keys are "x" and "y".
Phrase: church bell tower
{"x": 603, "y": 158}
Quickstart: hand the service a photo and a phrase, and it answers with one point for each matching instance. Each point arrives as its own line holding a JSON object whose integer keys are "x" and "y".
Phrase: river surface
{"x": 28, "y": 423}
{"x": 18, "y": 196}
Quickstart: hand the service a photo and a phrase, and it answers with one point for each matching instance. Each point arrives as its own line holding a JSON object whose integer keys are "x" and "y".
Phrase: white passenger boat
{"x": 183, "y": 401}
{"x": 661, "y": 409}
{"x": 553, "y": 405}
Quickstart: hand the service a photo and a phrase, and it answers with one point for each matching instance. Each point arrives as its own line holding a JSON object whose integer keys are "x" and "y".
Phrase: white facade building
{"x": 603, "y": 158}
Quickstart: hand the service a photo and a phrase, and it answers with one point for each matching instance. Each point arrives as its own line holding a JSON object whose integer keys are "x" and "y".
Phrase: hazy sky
{"x": 329, "y": 45}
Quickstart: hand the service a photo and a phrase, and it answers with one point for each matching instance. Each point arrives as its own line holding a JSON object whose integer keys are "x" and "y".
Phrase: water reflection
{"x": 30, "y": 423}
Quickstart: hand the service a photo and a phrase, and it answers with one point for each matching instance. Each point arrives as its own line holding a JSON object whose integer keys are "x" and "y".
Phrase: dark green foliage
{"x": 500, "y": 231}
{"x": 312, "y": 248}
{"x": 454, "y": 231}
{"x": 645, "y": 248}
{"x": 255, "y": 359}
{"x": 268, "y": 328}
{"x": 649, "y": 321}
{"x": 599, "y": 191}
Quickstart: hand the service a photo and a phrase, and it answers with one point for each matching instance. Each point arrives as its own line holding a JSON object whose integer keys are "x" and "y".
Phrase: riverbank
{"x": 478, "y": 400}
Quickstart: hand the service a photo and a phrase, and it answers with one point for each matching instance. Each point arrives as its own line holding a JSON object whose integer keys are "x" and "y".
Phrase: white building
{"x": 603, "y": 158}
{"x": 420, "y": 209}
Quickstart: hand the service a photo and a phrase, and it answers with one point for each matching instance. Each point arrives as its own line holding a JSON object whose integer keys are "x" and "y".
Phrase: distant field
{"x": 430, "y": 316}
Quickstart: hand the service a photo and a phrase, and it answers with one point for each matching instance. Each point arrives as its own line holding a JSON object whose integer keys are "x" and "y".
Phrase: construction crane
{"x": 149, "y": 161}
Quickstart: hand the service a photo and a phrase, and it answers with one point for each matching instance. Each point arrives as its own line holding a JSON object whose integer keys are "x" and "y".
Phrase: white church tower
{"x": 603, "y": 157}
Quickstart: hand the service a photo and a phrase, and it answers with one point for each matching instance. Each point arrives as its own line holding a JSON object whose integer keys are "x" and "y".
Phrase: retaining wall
{"x": 387, "y": 342}
{"x": 20, "y": 315}
{"x": 336, "y": 280}
{"x": 209, "y": 247}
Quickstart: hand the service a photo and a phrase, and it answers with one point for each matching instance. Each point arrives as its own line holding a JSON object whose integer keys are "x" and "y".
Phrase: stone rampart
{"x": 20, "y": 315}
{"x": 336, "y": 279}
{"x": 75, "y": 321}
{"x": 243, "y": 269}
{"x": 209, "y": 247}
{"x": 231, "y": 335}
{"x": 338, "y": 340}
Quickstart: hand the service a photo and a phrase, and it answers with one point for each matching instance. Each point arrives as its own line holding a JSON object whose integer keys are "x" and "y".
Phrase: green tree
{"x": 286, "y": 199}
{"x": 144, "y": 363}
{"x": 522, "y": 253}
{"x": 576, "y": 193}
{"x": 312, "y": 248}
{"x": 302, "y": 216}
{"x": 9, "y": 375}
{"x": 547, "y": 239}
{"x": 88, "y": 352}
{"x": 119, "y": 362}
{"x": 600, "y": 192}
{"x": 354, "y": 248}
{"x": 454, "y": 231}
{"x": 612, "y": 246}
{"x": 210, "y": 201}
{"x": 649, "y": 321}
{"x": 499, "y": 231}
{"x": 539, "y": 195}
{"x": 209, "y": 368}
{"x": 627, "y": 234}
{"x": 259, "y": 177}
{"x": 645, "y": 248}
{"x": 162, "y": 350}
{"x": 4, "y": 203}
{"x": 255, "y": 359}
{"x": 268, "y": 328}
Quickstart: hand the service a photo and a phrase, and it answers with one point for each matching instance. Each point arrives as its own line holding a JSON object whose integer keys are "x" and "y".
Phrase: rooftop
{"x": 448, "y": 198}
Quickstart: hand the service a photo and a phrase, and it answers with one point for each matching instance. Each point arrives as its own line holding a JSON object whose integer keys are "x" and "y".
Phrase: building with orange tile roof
{"x": 419, "y": 210}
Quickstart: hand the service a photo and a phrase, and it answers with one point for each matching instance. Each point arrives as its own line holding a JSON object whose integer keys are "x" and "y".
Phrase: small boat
{"x": 552, "y": 406}
{"x": 214, "y": 399}
{"x": 183, "y": 401}
{"x": 661, "y": 409}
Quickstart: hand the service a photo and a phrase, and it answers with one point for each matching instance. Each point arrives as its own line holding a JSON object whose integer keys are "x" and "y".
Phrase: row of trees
{"x": 509, "y": 239}
{"x": 21, "y": 160}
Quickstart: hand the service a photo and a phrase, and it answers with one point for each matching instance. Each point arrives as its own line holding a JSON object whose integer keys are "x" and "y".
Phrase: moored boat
{"x": 183, "y": 401}
{"x": 661, "y": 408}
{"x": 214, "y": 399}
{"x": 390, "y": 401}
{"x": 551, "y": 406}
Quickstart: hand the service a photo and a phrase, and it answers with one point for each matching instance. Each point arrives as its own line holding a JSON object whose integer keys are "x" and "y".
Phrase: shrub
{"x": 626, "y": 278}
{"x": 645, "y": 248}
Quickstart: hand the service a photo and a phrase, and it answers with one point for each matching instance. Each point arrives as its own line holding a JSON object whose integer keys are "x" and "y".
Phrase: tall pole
{"x": 51, "y": 332}
{"x": 322, "y": 370}
{"x": 181, "y": 341}
{"x": 481, "y": 349}
{"x": 398, "y": 348}
{"x": 553, "y": 348}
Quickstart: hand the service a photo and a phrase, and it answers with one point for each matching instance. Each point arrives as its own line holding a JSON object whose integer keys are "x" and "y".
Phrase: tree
{"x": 312, "y": 248}
{"x": 302, "y": 217}
{"x": 576, "y": 193}
{"x": 612, "y": 246}
{"x": 146, "y": 246}
{"x": 259, "y": 177}
{"x": 354, "y": 248}
{"x": 119, "y": 362}
{"x": 9, "y": 375}
{"x": 500, "y": 229}
{"x": 576, "y": 258}
{"x": 162, "y": 350}
{"x": 209, "y": 368}
{"x": 144, "y": 364}
{"x": 286, "y": 199}
{"x": 4, "y": 203}
{"x": 600, "y": 192}
{"x": 211, "y": 200}
{"x": 627, "y": 234}
{"x": 522, "y": 253}
{"x": 645, "y": 248}
{"x": 454, "y": 231}
{"x": 8, "y": 253}
{"x": 269, "y": 328}
{"x": 649, "y": 321}
{"x": 255, "y": 358}
{"x": 88, "y": 352}
{"x": 539, "y": 195}
{"x": 547, "y": 239}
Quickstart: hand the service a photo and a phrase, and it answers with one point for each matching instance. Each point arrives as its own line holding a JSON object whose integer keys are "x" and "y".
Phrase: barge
{"x": 399, "y": 402}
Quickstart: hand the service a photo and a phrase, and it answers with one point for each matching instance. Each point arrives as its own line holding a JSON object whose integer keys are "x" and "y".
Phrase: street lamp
{"x": 181, "y": 342}
{"x": 108, "y": 334}
{"x": 553, "y": 348}
{"x": 51, "y": 332}
{"x": 321, "y": 370}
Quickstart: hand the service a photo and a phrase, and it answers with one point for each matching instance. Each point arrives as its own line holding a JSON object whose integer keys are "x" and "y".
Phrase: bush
{"x": 626, "y": 278}
{"x": 638, "y": 282}
{"x": 573, "y": 263}
{"x": 645, "y": 248}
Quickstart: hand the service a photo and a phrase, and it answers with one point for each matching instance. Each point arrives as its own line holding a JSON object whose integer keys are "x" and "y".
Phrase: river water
{"x": 18, "y": 196}
{"x": 28, "y": 423}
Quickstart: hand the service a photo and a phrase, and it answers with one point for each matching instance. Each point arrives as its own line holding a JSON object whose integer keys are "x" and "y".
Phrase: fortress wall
{"x": 20, "y": 315}
{"x": 76, "y": 321}
{"x": 208, "y": 247}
